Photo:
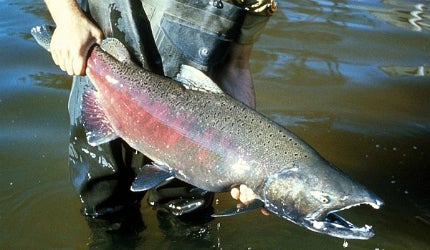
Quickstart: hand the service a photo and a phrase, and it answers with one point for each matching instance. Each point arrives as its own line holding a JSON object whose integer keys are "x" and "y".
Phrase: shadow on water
{"x": 349, "y": 77}
{"x": 51, "y": 80}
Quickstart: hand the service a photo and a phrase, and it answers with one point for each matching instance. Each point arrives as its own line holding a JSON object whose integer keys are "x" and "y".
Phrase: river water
{"x": 349, "y": 77}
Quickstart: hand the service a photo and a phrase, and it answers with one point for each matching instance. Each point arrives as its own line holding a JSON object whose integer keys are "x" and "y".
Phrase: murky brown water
{"x": 350, "y": 77}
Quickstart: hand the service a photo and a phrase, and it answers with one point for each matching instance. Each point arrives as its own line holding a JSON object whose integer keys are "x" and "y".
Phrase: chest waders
{"x": 197, "y": 33}
{"x": 161, "y": 35}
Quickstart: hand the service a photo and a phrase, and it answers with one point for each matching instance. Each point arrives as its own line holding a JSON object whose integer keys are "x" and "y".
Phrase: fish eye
{"x": 325, "y": 199}
{"x": 321, "y": 196}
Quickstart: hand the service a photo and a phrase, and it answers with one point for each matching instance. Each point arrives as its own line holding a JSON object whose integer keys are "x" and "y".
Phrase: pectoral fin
{"x": 150, "y": 176}
{"x": 240, "y": 209}
{"x": 97, "y": 126}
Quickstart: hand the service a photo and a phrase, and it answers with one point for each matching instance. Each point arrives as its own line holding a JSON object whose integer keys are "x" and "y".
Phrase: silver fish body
{"x": 194, "y": 132}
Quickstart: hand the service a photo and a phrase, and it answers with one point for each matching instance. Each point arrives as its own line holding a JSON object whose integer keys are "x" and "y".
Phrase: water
{"x": 350, "y": 77}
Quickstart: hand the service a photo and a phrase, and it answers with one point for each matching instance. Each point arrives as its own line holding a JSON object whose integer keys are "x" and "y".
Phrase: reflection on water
{"x": 350, "y": 77}
{"x": 407, "y": 15}
{"x": 394, "y": 71}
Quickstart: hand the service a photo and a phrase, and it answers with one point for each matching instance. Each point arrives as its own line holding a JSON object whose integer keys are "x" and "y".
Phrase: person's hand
{"x": 245, "y": 195}
{"x": 71, "y": 42}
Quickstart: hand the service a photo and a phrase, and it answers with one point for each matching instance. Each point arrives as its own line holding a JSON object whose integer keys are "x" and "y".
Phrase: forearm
{"x": 74, "y": 35}
{"x": 64, "y": 11}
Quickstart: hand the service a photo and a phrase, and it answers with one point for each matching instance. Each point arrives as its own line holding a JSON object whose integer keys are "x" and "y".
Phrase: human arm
{"x": 73, "y": 37}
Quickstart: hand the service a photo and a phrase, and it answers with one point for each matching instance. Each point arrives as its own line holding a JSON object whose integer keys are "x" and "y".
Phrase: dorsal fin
{"x": 194, "y": 79}
{"x": 116, "y": 49}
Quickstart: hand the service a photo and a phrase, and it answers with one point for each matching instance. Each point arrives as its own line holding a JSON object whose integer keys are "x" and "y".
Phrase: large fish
{"x": 194, "y": 132}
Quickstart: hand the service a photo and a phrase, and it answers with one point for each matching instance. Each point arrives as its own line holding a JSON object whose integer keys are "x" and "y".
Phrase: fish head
{"x": 310, "y": 195}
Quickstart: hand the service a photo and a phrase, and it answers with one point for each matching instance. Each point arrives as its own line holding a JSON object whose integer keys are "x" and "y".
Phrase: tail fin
{"x": 43, "y": 35}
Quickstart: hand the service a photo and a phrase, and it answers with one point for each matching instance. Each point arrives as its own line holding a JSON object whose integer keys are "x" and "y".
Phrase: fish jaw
{"x": 311, "y": 196}
{"x": 336, "y": 226}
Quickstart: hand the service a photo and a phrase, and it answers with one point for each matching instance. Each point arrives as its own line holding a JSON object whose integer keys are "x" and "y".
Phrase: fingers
{"x": 70, "y": 60}
{"x": 242, "y": 193}
{"x": 235, "y": 193}
{"x": 67, "y": 63}
{"x": 79, "y": 65}
{"x": 265, "y": 212}
{"x": 67, "y": 57}
{"x": 70, "y": 45}
{"x": 245, "y": 195}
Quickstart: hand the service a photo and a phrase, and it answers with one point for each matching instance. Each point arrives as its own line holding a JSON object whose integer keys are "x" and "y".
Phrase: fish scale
{"x": 193, "y": 126}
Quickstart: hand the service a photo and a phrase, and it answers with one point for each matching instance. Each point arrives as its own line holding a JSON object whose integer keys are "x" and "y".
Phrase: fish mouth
{"x": 335, "y": 225}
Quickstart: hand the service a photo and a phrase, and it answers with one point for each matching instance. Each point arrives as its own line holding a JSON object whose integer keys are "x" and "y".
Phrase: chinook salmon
{"x": 192, "y": 131}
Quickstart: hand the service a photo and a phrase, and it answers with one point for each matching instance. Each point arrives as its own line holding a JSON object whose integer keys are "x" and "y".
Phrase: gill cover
{"x": 281, "y": 191}
{"x": 309, "y": 192}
